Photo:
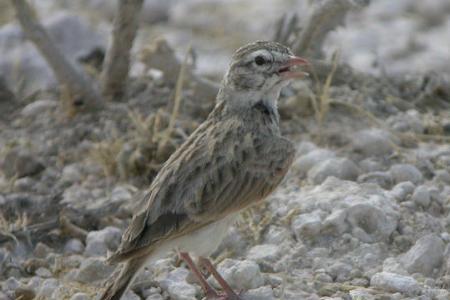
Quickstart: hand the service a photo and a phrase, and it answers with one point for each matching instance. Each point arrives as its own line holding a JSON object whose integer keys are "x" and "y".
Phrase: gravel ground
{"x": 362, "y": 214}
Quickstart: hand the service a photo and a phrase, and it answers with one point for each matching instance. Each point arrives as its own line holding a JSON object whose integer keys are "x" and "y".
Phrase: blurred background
{"x": 364, "y": 212}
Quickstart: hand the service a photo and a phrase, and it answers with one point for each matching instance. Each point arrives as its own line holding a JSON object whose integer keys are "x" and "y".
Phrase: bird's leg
{"x": 210, "y": 292}
{"x": 230, "y": 294}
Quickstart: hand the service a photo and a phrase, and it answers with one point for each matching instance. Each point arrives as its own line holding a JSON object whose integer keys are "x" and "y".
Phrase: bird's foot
{"x": 228, "y": 293}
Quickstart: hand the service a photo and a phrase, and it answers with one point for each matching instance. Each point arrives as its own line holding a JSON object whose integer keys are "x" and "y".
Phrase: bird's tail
{"x": 118, "y": 284}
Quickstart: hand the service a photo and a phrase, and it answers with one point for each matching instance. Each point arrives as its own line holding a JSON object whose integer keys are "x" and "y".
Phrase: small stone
{"x": 11, "y": 284}
{"x": 276, "y": 235}
{"x": 369, "y": 223}
{"x": 71, "y": 173}
{"x": 339, "y": 271}
{"x": 240, "y": 274}
{"x": 79, "y": 296}
{"x": 323, "y": 277}
{"x": 24, "y": 293}
{"x": 21, "y": 163}
{"x": 130, "y": 295}
{"x": 99, "y": 242}
{"x": 43, "y": 273}
{"x": 402, "y": 190}
{"x": 335, "y": 223}
{"x": 305, "y": 162}
{"x": 177, "y": 287}
{"x": 264, "y": 253}
{"x": 361, "y": 294}
{"x": 391, "y": 265}
{"x": 373, "y": 142}
{"x": 92, "y": 270}
{"x": 307, "y": 226}
{"x": 24, "y": 184}
{"x": 38, "y": 107}
{"x": 73, "y": 246}
{"x": 421, "y": 196}
{"x": 261, "y": 293}
{"x": 341, "y": 168}
{"x": 442, "y": 176}
{"x": 405, "y": 172}
{"x": 42, "y": 250}
{"x": 395, "y": 283}
{"x": 154, "y": 297}
{"x": 426, "y": 254}
{"x": 383, "y": 179}
{"x": 47, "y": 288}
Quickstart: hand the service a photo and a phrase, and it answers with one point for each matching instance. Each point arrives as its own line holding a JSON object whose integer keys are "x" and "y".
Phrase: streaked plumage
{"x": 233, "y": 160}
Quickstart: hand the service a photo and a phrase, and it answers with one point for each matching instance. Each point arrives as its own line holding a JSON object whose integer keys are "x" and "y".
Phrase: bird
{"x": 232, "y": 161}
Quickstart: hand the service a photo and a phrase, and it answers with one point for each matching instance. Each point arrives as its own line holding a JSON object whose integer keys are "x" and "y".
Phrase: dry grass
{"x": 8, "y": 227}
{"x": 105, "y": 153}
{"x": 321, "y": 103}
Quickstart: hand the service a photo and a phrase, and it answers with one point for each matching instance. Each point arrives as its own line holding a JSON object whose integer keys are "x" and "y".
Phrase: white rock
{"x": 421, "y": 196}
{"x": 74, "y": 246}
{"x": 335, "y": 223}
{"x": 37, "y": 107}
{"x": 406, "y": 172}
{"x": 402, "y": 190}
{"x": 361, "y": 294}
{"x": 240, "y": 274}
{"x": 307, "y": 226}
{"x": 177, "y": 287}
{"x": 373, "y": 142}
{"x": 339, "y": 271}
{"x": 276, "y": 235}
{"x": 130, "y": 295}
{"x": 264, "y": 253}
{"x": 71, "y": 173}
{"x": 261, "y": 293}
{"x": 80, "y": 296}
{"x": 342, "y": 168}
{"x": 10, "y": 284}
{"x": 43, "y": 272}
{"x": 47, "y": 288}
{"x": 154, "y": 297}
{"x": 369, "y": 223}
{"x": 92, "y": 270}
{"x": 99, "y": 242}
{"x": 392, "y": 265}
{"x": 395, "y": 283}
{"x": 426, "y": 254}
{"x": 305, "y": 162}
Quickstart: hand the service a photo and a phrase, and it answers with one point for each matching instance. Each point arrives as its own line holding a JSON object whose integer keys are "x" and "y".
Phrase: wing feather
{"x": 207, "y": 186}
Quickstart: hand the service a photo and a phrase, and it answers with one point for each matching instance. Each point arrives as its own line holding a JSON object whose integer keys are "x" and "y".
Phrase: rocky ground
{"x": 364, "y": 212}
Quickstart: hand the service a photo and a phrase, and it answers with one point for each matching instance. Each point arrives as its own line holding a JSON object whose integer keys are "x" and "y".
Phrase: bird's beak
{"x": 290, "y": 69}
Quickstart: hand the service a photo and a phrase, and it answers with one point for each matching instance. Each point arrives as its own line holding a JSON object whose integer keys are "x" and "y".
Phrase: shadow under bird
{"x": 233, "y": 160}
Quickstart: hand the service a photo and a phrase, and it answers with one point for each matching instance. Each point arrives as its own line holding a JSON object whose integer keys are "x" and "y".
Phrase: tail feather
{"x": 117, "y": 286}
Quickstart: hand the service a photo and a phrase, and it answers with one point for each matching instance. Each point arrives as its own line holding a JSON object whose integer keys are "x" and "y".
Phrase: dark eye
{"x": 259, "y": 60}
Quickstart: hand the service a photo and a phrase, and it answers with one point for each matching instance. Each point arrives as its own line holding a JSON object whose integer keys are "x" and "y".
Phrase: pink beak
{"x": 286, "y": 71}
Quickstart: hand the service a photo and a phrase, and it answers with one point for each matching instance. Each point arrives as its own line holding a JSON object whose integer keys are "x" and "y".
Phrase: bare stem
{"x": 117, "y": 61}
{"x": 82, "y": 93}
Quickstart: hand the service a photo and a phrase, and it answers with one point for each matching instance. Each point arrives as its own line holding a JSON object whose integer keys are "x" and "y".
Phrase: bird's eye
{"x": 259, "y": 60}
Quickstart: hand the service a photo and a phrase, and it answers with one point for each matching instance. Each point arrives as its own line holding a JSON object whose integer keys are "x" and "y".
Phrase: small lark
{"x": 234, "y": 159}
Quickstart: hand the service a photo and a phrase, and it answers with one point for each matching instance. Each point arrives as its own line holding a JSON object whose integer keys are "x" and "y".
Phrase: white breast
{"x": 199, "y": 243}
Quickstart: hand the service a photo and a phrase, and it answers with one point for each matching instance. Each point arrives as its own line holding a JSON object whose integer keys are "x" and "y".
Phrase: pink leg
{"x": 230, "y": 294}
{"x": 210, "y": 292}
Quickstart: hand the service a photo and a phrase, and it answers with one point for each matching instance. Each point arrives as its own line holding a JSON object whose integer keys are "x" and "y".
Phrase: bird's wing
{"x": 207, "y": 179}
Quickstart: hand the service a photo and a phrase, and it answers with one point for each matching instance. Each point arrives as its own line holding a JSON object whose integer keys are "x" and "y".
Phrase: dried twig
{"x": 177, "y": 98}
{"x": 81, "y": 91}
{"x": 117, "y": 61}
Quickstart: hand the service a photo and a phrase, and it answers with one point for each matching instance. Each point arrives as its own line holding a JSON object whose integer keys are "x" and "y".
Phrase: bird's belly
{"x": 201, "y": 242}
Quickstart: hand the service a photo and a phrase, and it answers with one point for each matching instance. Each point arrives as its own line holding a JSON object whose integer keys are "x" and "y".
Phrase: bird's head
{"x": 264, "y": 67}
